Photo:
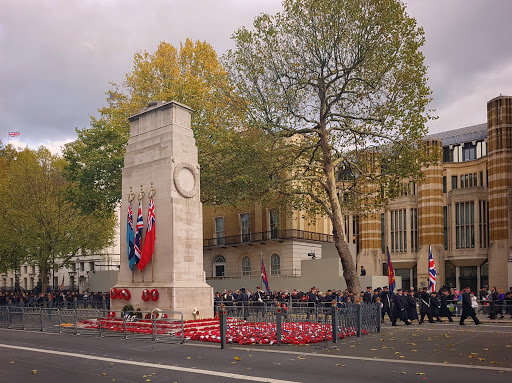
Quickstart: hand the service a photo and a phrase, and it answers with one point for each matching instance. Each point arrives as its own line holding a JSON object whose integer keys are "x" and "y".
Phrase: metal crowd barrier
{"x": 161, "y": 326}
{"x": 302, "y": 323}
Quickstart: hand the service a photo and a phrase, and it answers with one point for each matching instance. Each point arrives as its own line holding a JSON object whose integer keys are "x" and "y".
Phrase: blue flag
{"x": 137, "y": 245}
{"x": 129, "y": 236}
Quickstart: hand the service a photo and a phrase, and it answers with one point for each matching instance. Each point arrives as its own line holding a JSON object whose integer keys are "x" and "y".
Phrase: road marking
{"x": 151, "y": 365}
{"x": 361, "y": 358}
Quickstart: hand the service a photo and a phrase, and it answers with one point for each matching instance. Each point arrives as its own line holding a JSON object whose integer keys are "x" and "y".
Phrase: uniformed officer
{"x": 425, "y": 306}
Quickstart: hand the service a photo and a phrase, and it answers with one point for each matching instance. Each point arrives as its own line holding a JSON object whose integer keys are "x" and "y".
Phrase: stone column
{"x": 499, "y": 138}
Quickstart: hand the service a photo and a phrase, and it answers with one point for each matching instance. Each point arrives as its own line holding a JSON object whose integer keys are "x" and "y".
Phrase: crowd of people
{"x": 405, "y": 306}
{"x": 57, "y": 299}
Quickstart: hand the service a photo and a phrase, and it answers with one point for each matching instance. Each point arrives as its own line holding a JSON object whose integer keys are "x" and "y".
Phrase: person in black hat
{"x": 367, "y": 297}
{"x": 257, "y": 300}
{"x": 386, "y": 298}
{"x": 467, "y": 308}
{"x": 412, "y": 312}
{"x": 425, "y": 306}
{"x": 444, "y": 310}
{"x": 398, "y": 311}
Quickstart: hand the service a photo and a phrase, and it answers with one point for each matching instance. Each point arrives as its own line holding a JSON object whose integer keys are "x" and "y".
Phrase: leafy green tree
{"x": 345, "y": 85}
{"x": 44, "y": 228}
{"x": 235, "y": 162}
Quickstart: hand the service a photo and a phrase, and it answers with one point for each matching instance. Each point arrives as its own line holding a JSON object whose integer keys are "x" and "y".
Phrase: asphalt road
{"x": 430, "y": 352}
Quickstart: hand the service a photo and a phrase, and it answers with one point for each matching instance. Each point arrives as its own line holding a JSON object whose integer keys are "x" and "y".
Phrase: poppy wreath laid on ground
{"x": 113, "y": 293}
{"x": 126, "y": 294}
{"x": 146, "y": 295}
{"x": 154, "y": 295}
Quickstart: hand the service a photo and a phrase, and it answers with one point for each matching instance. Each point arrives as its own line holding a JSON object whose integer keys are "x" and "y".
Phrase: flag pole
{"x": 261, "y": 269}
{"x": 152, "y": 192}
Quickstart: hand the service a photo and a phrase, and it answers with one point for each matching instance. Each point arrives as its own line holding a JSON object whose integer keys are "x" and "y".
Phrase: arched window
{"x": 219, "y": 266}
{"x": 246, "y": 266}
{"x": 275, "y": 264}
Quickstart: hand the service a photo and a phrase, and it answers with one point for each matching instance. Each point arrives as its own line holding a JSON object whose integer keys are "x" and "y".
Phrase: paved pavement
{"x": 431, "y": 352}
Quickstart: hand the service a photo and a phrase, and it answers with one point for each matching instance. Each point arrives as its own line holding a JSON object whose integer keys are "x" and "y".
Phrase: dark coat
{"x": 425, "y": 303}
{"x": 444, "y": 311}
{"x": 386, "y": 298}
{"x": 412, "y": 313}
{"x": 435, "y": 306}
{"x": 399, "y": 310}
{"x": 467, "y": 307}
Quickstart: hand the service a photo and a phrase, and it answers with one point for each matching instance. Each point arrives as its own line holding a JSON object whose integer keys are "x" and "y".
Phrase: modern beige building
{"x": 462, "y": 208}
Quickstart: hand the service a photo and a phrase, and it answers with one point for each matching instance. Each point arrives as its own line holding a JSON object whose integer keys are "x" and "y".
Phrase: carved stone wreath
{"x": 185, "y": 192}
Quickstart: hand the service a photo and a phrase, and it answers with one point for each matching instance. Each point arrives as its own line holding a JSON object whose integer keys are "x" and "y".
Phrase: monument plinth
{"x": 162, "y": 155}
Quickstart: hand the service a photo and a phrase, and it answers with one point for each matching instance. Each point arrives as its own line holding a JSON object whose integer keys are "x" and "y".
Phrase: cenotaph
{"x": 161, "y": 161}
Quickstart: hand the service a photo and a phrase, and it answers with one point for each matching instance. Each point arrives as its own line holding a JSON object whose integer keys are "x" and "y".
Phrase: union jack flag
{"x": 391, "y": 273}
{"x": 138, "y": 235}
{"x": 431, "y": 271}
{"x": 14, "y": 134}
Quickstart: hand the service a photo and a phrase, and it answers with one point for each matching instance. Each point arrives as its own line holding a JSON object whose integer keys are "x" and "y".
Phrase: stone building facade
{"x": 462, "y": 209}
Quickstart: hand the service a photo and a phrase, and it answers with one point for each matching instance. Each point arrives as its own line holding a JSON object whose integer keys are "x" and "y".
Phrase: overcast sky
{"x": 58, "y": 56}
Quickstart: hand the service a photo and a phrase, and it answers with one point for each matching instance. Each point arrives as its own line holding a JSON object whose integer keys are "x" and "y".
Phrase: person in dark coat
{"x": 425, "y": 306}
{"x": 375, "y": 296}
{"x": 444, "y": 311}
{"x": 399, "y": 311}
{"x": 386, "y": 298}
{"x": 367, "y": 297}
{"x": 412, "y": 312}
{"x": 435, "y": 306}
{"x": 258, "y": 300}
{"x": 467, "y": 308}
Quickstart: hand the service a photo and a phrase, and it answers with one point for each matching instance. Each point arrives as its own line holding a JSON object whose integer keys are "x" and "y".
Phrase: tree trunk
{"x": 340, "y": 239}
{"x": 44, "y": 277}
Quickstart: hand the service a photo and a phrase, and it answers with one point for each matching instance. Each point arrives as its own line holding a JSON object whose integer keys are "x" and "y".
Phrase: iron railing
{"x": 265, "y": 236}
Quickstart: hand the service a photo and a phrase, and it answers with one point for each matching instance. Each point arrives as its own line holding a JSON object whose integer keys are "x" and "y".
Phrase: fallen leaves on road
{"x": 237, "y": 358}
{"x": 420, "y": 373}
{"x": 34, "y": 372}
{"x": 301, "y": 357}
{"x": 12, "y": 361}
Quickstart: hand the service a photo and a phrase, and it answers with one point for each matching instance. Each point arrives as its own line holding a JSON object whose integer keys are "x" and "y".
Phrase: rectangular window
{"x": 454, "y": 182}
{"x": 483, "y": 225}
{"x": 465, "y": 225}
{"x": 355, "y": 230}
{"x": 91, "y": 266}
{"x": 414, "y": 230}
{"x": 398, "y": 231}
{"x": 471, "y": 180}
{"x": 444, "y": 184}
{"x": 245, "y": 224}
{"x": 82, "y": 266}
{"x": 445, "y": 226}
{"x": 481, "y": 178}
{"x": 383, "y": 233}
{"x": 33, "y": 269}
{"x": 466, "y": 182}
{"x": 461, "y": 181}
{"x": 219, "y": 231}
{"x": 274, "y": 223}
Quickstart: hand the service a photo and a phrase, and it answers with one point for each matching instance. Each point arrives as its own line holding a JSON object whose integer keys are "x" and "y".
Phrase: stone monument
{"x": 161, "y": 159}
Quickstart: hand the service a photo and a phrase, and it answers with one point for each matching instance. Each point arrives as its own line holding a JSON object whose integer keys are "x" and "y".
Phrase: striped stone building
{"x": 462, "y": 208}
